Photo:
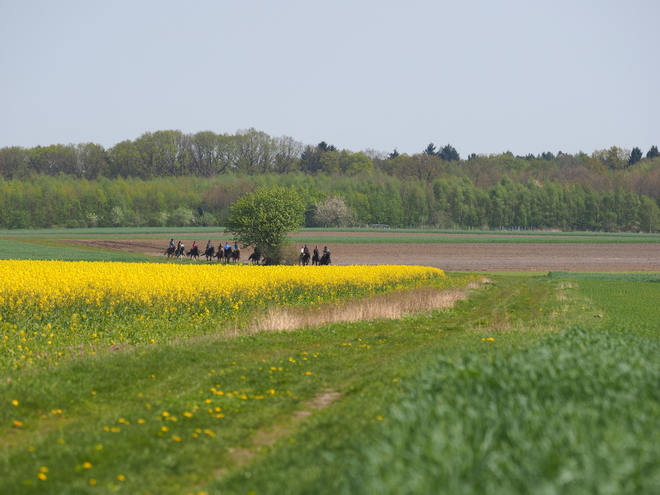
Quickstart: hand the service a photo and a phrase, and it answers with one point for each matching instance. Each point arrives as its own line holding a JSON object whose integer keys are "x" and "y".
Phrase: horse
{"x": 236, "y": 255}
{"x": 170, "y": 252}
{"x": 179, "y": 252}
{"x": 209, "y": 253}
{"x": 304, "y": 258}
{"x": 220, "y": 254}
{"x": 193, "y": 253}
{"x": 325, "y": 259}
{"x": 315, "y": 257}
{"x": 255, "y": 257}
{"x": 228, "y": 253}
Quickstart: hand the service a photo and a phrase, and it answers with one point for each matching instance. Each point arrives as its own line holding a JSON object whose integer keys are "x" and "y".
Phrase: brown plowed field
{"x": 480, "y": 257}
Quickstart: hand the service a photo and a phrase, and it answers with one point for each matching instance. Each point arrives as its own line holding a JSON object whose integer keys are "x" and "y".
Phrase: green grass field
{"x": 535, "y": 384}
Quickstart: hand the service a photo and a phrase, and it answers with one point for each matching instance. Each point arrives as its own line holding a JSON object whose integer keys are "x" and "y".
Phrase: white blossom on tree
{"x": 333, "y": 212}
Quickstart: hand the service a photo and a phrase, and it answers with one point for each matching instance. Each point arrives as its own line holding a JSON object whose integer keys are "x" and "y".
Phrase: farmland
{"x": 527, "y": 383}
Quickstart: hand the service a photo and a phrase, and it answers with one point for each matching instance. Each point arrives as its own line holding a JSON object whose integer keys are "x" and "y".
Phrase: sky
{"x": 485, "y": 76}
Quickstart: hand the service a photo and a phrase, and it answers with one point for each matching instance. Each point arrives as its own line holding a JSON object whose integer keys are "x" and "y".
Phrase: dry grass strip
{"x": 392, "y": 305}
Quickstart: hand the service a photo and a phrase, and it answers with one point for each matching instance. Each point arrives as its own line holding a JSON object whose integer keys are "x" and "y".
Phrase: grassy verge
{"x": 537, "y": 409}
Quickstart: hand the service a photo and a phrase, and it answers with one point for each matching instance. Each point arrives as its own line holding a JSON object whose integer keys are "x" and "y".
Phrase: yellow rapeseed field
{"x": 47, "y": 285}
{"x": 53, "y": 309}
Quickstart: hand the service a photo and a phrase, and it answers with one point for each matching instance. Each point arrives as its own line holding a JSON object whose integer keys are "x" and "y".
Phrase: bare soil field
{"x": 480, "y": 257}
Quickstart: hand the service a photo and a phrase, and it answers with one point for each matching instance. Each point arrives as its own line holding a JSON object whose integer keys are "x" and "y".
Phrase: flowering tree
{"x": 333, "y": 212}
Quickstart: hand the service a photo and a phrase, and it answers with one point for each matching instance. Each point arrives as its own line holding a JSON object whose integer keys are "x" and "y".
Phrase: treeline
{"x": 332, "y": 200}
{"x": 251, "y": 152}
{"x": 168, "y": 178}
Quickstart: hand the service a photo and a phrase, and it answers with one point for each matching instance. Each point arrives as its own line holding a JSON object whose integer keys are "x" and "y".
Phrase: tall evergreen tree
{"x": 430, "y": 149}
{"x": 448, "y": 153}
{"x": 635, "y": 156}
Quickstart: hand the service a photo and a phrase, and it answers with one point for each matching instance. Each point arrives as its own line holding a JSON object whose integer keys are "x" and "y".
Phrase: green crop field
{"x": 533, "y": 384}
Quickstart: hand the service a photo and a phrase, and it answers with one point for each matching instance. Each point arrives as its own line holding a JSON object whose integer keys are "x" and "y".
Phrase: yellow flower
{"x": 87, "y": 465}
{"x": 121, "y": 477}
{"x": 42, "y": 476}
{"x": 14, "y": 402}
{"x": 18, "y": 423}
{"x": 176, "y": 438}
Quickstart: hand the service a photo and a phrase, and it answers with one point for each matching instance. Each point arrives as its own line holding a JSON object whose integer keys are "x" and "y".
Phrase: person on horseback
{"x": 194, "y": 245}
{"x": 170, "y": 249}
{"x": 325, "y": 259}
{"x": 315, "y": 256}
{"x": 210, "y": 251}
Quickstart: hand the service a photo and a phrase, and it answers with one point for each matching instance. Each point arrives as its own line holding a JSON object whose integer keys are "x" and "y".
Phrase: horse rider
{"x": 208, "y": 245}
{"x": 171, "y": 243}
{"x": 315, "y": 256}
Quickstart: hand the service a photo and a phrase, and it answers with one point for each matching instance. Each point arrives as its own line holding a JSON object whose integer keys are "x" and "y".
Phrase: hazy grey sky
{"x": 486, "y": 76}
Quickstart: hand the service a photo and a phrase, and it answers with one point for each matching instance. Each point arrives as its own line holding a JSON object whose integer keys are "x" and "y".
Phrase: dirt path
{"x": 460, "y": 257}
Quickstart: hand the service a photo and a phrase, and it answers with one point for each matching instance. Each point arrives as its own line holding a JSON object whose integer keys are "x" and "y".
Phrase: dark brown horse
{"x": 236, "y": 255}
{"x": 209, "y": 253}
{"x": 255, "y": 257}
{"x": 193, "y": 253}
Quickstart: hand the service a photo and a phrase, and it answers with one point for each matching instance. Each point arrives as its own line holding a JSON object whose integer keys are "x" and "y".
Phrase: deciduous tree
{"x": 263, "y": 218}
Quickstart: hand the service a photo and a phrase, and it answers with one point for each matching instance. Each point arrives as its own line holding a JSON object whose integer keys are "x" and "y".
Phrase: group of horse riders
{"x": 229, "y": 253}
{"x": 316, "y": 257}
{"x": 226, "y": 252}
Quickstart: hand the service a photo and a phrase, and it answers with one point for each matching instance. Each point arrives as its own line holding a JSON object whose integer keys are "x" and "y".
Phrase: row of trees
{"x": 251, "y": 152}
{"x": 158, "y": 154}
{"x": 334, "y": 200}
